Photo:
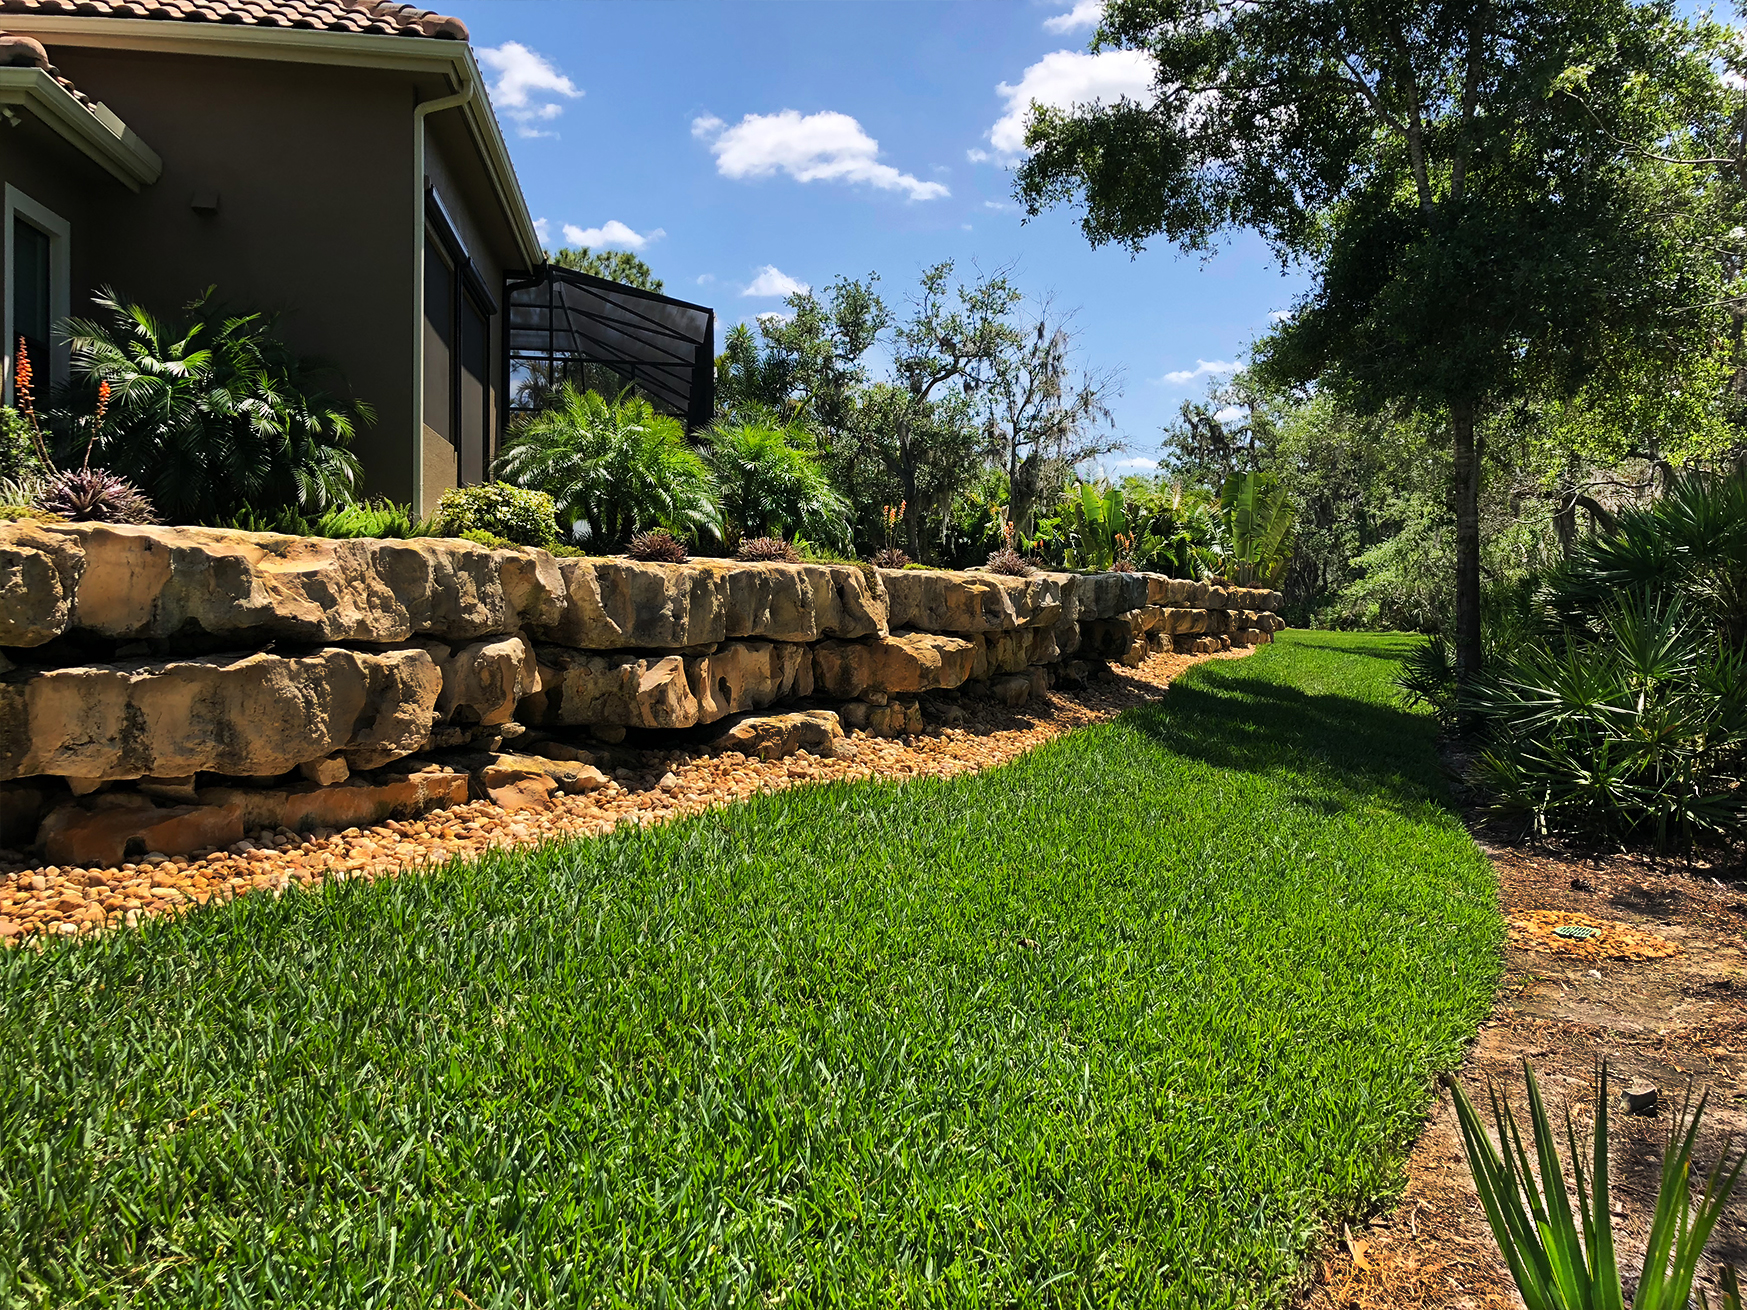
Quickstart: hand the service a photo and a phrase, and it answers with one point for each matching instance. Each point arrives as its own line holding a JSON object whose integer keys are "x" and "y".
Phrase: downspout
{"x": 419, "y": 114}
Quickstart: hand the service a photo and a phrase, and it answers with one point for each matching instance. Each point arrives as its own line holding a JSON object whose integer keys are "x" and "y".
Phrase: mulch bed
{"x": 1660, "y": 991}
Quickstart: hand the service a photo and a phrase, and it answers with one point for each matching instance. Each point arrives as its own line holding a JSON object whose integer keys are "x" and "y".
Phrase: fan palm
{"x": 616, "y": 466}
{"x": 769, "y": 483}
{"x": 210, "y": 413}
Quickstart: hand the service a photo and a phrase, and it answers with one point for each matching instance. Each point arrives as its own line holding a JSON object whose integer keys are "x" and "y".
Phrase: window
{"x": 31, "y": 316}
{"x": 37, "y": 290}
{"x": 457, "y": 364}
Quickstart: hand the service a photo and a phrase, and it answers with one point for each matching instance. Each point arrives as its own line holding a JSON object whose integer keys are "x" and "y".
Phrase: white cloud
{"x": 978, "y": 156}
{"x": 526, "y": 81}
{"x": 1203, "y": 367}
{"x": 775, "y": 316}
{"x": 1231, "y": 414}
{"x": 542, "y": 229}
{"x": 772, "y": 281}
{"x": 1065, "y": 79}
{"x": 1085, "y": 13}
{"x": 966, "y": 227}
{"x": 822, "y": 147}
{"x": 1279, "y": 316}
{"x": 1138, "y": 462}
{"x": 704, "y": 279}
{"x": 999, "y": 206}
{"x": 610, "y": 235}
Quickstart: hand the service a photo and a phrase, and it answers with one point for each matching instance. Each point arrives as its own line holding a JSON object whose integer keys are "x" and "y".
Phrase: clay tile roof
{"x": 18, "y": 51}
{"x": 380, "y": 17}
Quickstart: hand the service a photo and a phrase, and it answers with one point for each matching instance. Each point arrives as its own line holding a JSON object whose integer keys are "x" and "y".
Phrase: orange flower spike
{"x": 21, "y": 377}
{"x": 102, "y": 401}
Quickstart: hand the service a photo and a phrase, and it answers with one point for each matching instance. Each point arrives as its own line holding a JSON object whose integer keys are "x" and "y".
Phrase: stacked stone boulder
{"x": 168, "y": 689}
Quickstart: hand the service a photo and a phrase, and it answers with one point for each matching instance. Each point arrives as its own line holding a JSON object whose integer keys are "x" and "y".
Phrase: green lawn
{"x": 1126, "y": 1023}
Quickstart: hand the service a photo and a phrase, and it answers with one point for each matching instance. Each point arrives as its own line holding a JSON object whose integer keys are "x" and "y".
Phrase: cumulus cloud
{"x": 704, "y": 279}
{"x": 1279, "y": 315}
{"x": 999, "y": 206}
{"x": 1203, "y": 368}
{"x": 772, "y": 281}
{"x": 822, "y": 147}
{"x": 1085, "y": 13}
{"x": 1231, "y": 414}
{"x": 542, "y": 229}
{"x": 526, "y": 86}
{"x": 611, "y": 235}
{"x": 1138, "y": 463}
{"x": 1065, "y": 79}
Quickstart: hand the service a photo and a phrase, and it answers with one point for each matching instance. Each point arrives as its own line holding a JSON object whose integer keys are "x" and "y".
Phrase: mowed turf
{"x": 1129, "y": 1022}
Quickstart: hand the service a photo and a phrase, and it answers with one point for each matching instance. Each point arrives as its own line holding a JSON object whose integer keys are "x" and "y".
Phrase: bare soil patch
{"x": 1659, "y": 990}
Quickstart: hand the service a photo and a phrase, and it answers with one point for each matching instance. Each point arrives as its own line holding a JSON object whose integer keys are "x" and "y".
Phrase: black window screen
{"x": 475, "y": 390}
{"x": 439, "y": 341}
{"x": 569, "y": 326}
{"x": 31, "y": 315}
{"x": 458, "y": 313}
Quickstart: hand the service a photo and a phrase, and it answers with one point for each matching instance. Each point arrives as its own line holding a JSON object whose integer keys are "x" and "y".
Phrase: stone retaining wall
{"x": 166, "y": 689}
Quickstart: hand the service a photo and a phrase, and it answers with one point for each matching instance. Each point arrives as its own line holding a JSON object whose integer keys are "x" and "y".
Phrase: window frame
{"x": 60, "y": 234}
{"x": 467, "y": 289}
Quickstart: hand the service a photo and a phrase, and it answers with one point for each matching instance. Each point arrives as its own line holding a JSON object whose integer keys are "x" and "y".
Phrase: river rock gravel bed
{"x": 646, "y": 786}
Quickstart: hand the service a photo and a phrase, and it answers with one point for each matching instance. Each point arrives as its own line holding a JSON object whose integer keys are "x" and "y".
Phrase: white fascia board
{"x": 95, "y": 132}
{"x": 453, "y": 59}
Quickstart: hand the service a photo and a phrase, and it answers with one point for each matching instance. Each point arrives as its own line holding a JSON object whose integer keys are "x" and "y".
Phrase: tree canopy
{"x": 613, "y": 265}
{"x": 1494, "y": 197}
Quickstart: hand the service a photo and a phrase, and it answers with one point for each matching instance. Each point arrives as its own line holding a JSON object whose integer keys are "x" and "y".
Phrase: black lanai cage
{"x": 569, "y": 326}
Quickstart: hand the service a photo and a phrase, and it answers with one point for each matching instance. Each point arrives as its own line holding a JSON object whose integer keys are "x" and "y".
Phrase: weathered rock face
{"x": 571, "y": 777}
{"x": 933, "y": 600}
{"x": 484, "y": 681}
{"x": 904, "y": 662}
{"x": 39, "y": 571}
{"x": 777, "y": 736}
{"x": 628, "y": 690}
{"x": 618, "y": 604}
{"x": 106, "y": 837}
{"x": 355, "y": 803}
{"x": 748, "y": 675}
{"x": 218, "y": 585}
{"x": 253, "y": 715}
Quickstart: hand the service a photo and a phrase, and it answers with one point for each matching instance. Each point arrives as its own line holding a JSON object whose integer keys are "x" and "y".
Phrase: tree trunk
{"x": 1467, "y": 487}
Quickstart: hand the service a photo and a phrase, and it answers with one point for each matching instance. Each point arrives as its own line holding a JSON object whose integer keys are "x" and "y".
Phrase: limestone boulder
{"x": 1218, "y": 598}
{"x": 942, "y": 600}
{"x": 106, "y": 837}
{"x": 39, "y": 573}
{"x": 748, "y": 675}
{"x": 619, "y": 603}
{"x": 355, "y": 803}
{"x": 1106, "y": 595}
{"x": 777, "y": 736}
{"x": 570, "y": 777}
{"x": 901, "y": 663}
{"x": 218, "y": 586}
{"x": 259, "y": 714}
{"x": 631, "y": 691}
{"x": 484, "y": 681}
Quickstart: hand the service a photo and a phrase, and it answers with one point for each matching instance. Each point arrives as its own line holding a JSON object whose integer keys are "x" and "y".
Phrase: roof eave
{"x": 101, "y": 136}
{"x": 302, "y": 45}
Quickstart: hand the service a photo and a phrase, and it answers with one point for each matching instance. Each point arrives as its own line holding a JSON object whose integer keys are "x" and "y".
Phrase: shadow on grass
{"x": 1234, "y": 716}
{"x": 1376, "y": 650}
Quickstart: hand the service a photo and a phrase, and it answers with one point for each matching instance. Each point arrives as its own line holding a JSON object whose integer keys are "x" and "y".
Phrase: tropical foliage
{"x": 613, "y": 468}
{"x": 767, "y": 481}
{"x": 209, "y": 411}
{"x": 514, "y": 514}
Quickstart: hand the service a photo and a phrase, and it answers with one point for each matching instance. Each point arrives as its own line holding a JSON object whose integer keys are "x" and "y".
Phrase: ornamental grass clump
{"x": 658, "y": 547}
{"x": 890, "y": 557}
{"x": 767, "y": 550}
{"x": 1011, "y": 563}
{"x": 1566, "y": 1262}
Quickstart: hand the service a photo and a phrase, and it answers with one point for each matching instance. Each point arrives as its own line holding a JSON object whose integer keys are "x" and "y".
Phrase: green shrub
{"x": 374, "y": 518}
{"x": 519, "y": 516}
{"x": 19, "y": 461}
{"x": 769, "y": 483}
{"x": 210, "y": 413}
{"x": 614, "y": 467}
{"x": 1643, "y": 729}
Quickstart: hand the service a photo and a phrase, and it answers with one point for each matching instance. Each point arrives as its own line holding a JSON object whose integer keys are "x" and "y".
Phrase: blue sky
{"x": 743, "y": 147}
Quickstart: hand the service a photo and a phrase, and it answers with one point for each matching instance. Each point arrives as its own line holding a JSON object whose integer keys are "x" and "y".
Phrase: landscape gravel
{"x": 647, "y": 786}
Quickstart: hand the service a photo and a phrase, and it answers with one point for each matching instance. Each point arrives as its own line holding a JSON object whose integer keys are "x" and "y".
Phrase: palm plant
{"x": 1566, "y": 1262}
{"x": 614, "y": 467}
{"x": 1641, "y": 728}
{"x": 1258, "y": 528}
{"x": 769, "y": 483}
{"x": 210, "y": 413}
